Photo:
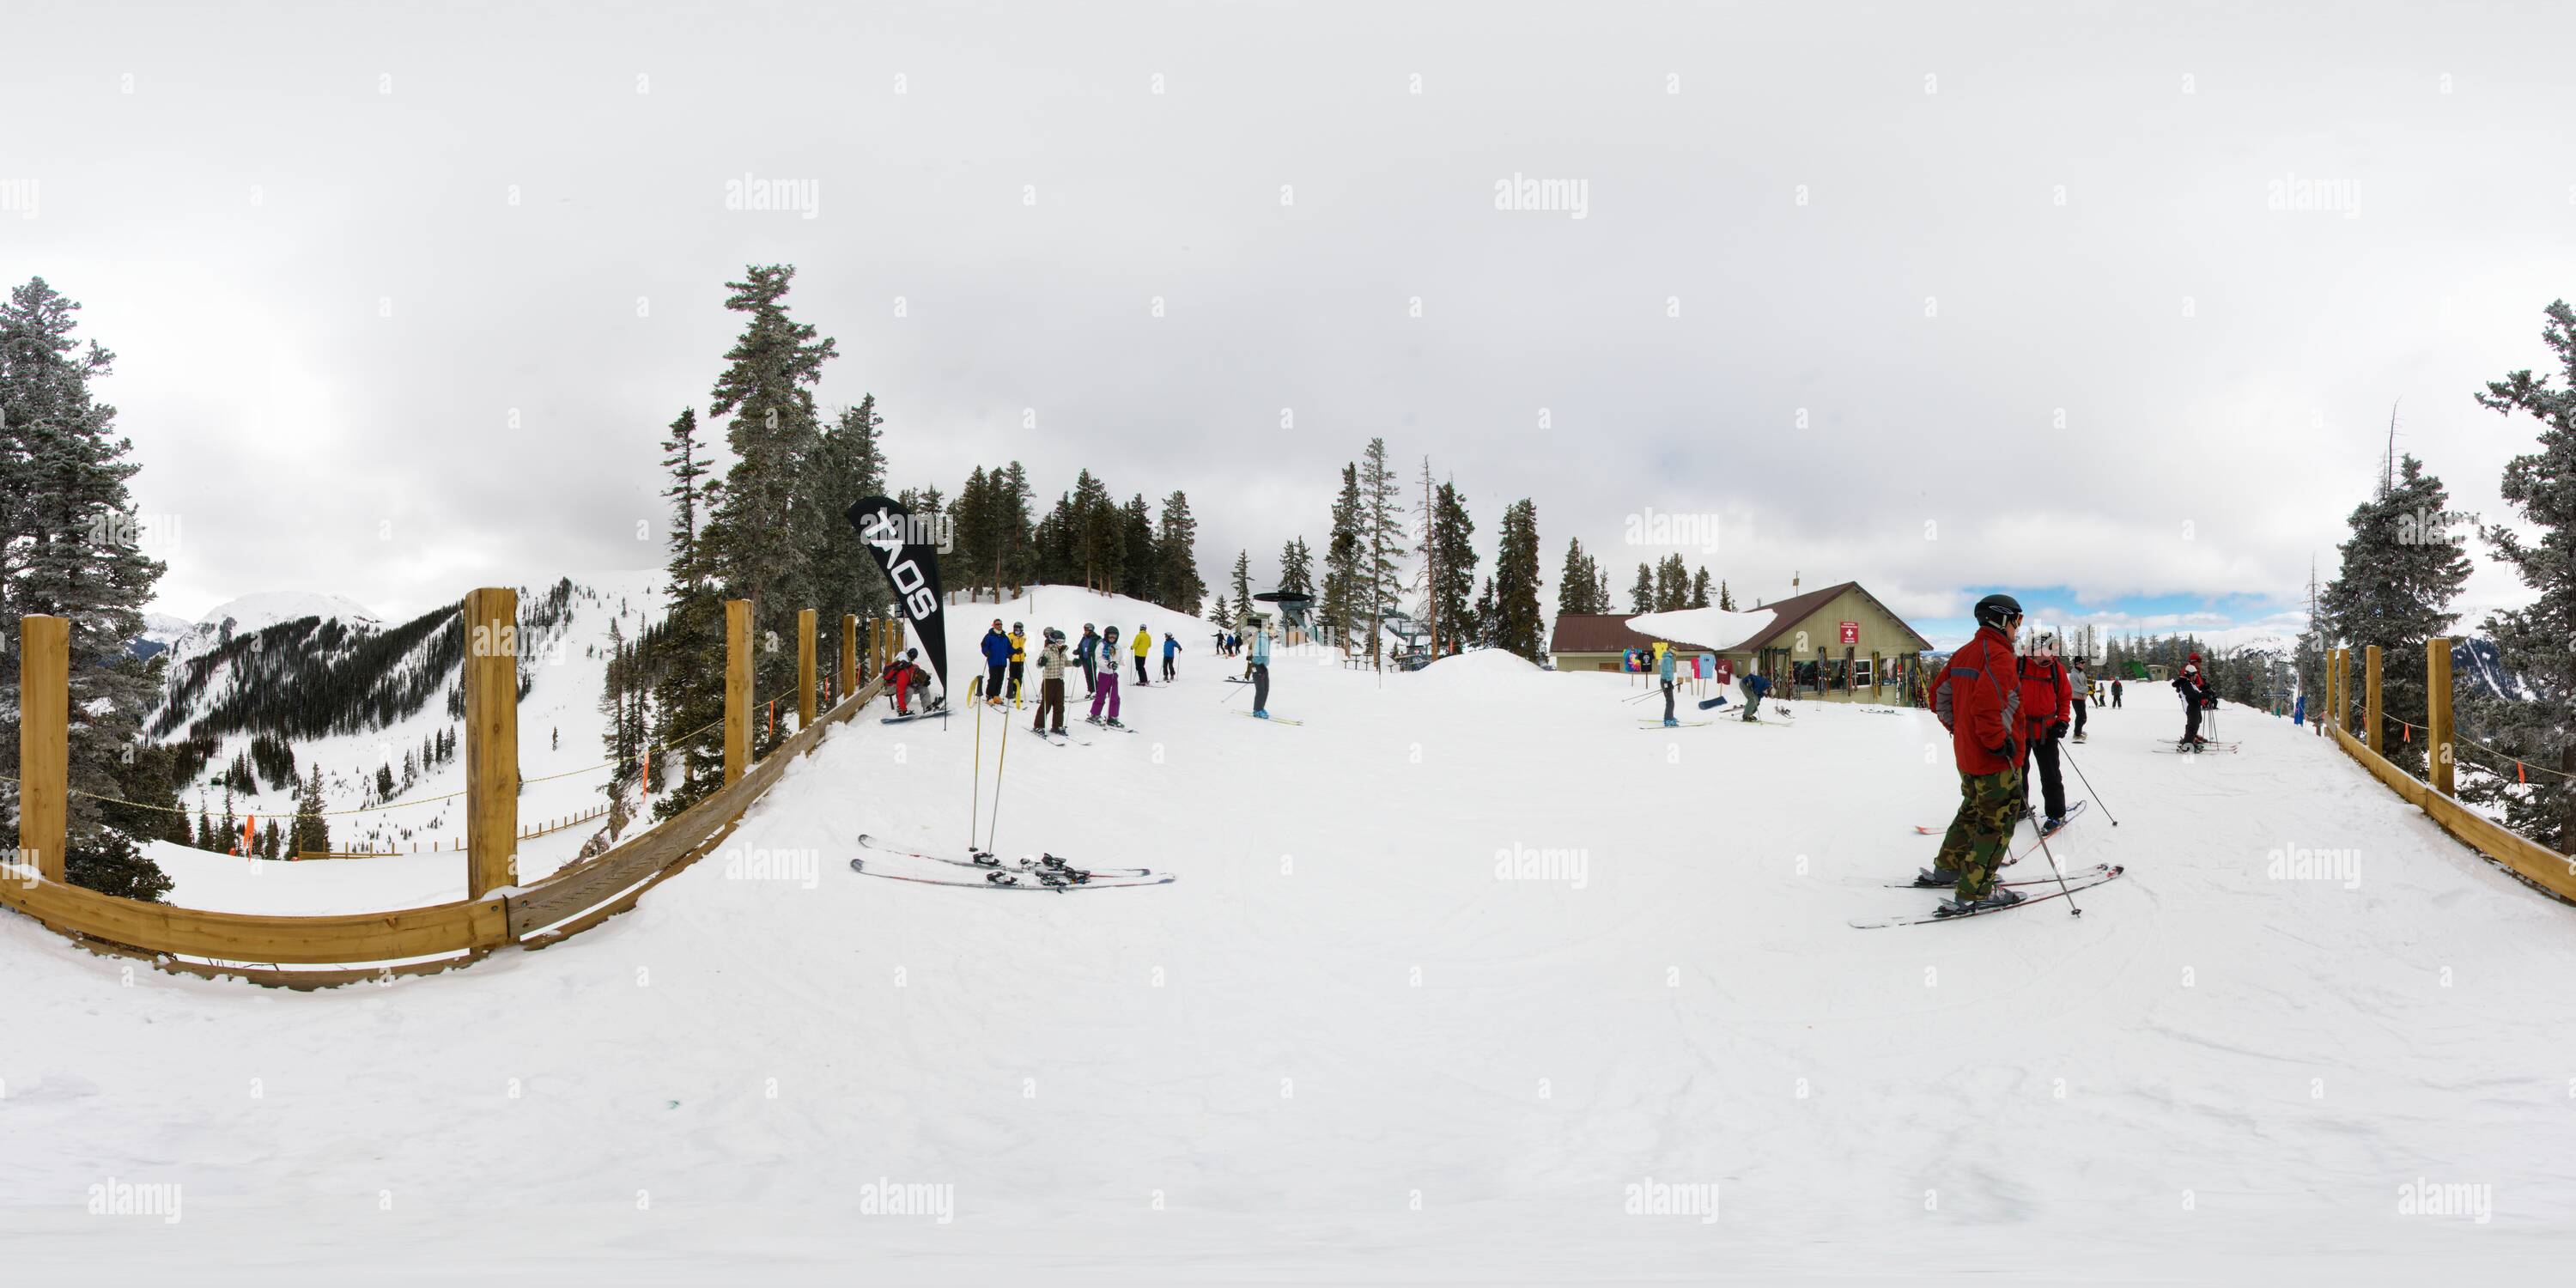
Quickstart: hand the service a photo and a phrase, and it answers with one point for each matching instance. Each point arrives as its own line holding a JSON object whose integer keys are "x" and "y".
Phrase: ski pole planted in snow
{"x": 2062, "y": 889}
{"x": 2088, "y": 785}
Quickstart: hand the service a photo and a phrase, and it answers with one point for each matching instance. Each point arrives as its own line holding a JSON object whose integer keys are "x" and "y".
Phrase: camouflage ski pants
{"x": 1975, "y": 844}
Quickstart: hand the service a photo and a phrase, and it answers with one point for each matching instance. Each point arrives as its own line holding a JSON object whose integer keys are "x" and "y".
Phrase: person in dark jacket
{"x": 997, "y": 662}
{"x": 2115, "y": 690}
{"x": 1088, "y": 653}
{"x": 1754, "y": 687}
{"x": 2196, "y": 697}
{"x": 1977, "y": 696}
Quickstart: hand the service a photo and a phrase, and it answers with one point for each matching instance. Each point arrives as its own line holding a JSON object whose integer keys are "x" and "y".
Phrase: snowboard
{"x": 941, "y": 714}
{"x": 1713, "y": 703}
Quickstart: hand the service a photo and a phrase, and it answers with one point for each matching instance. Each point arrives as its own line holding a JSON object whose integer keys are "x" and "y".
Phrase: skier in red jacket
{"x": 2046, "y": 697}
{"x": 1978, "y": 697}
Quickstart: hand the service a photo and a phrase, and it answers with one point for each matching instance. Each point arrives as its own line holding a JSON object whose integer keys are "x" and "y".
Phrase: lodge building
{"x": 1838, "y": 644}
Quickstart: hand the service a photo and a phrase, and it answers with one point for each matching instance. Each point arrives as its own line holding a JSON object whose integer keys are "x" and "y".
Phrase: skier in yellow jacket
{"x": 1144, "y": 647}
{"x": 1019, "y": 657}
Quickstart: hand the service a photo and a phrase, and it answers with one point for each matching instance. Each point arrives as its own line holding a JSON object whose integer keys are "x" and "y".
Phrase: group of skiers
{"x": 1005, "y": 655}
{"x": 2005, "y": 713}
{"x": 1097, "y": 656}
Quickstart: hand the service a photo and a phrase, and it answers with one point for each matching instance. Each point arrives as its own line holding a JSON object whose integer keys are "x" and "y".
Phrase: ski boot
{"x": 1671, "y": 723}
{"x": 984, "y": 858}
{"x": 1999, "y": 897}
{"x": 1112, "y": 723}
{"x": 1259, "y": 714}
{"x": 2049, "y": 826}
{"x": 1001, "y": 879}
{"x": 1936, "y": 879}
{"x": 1093, "y": 721}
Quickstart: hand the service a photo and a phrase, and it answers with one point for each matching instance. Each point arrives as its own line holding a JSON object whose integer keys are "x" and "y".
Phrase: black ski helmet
{"x": 1995, "y": 610}
{"x": 912, "y": 655}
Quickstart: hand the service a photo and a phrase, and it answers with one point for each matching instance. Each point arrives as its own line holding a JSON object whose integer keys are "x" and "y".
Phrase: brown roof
{"x": 1609, "y": 632}
{"x": 1797, "y": 608}
{"x": 1603, "y": 633}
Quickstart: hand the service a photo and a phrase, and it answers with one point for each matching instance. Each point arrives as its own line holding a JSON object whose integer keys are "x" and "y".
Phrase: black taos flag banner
{"x": 904, "y": 549}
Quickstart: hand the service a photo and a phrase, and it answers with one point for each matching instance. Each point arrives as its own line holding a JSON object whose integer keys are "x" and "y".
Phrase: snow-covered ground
{"x": 1455, "y": 972}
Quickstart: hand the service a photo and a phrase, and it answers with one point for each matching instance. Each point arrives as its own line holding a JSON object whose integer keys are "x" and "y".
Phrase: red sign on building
{"x": 1851, "y": 632}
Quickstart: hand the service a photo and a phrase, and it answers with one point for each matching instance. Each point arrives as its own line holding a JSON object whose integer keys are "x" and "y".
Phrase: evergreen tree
{"x": 1176, "y": 545}
{"x": 685, "y": 458}
{"x": 1578, "y": 583}
{"x": 1451, "y": 548}
{"x": 1242, "y": 610}
{"x": 312, "y": 832}
{"x": 1699, "y": 589}
{"x": 1672, "y": 584}
{"x": 1382, "y": 538}
{"x": 1099, "y": 535}
{"x": 978, "y": 544}
{"x": 1725, "y": 601}
{"x": 1486, "y": 616}
{"x": 1517, "y": 626}
{"x": 1010, "y": 524}
{"x": 1296, "y": 568}
{"x": 1345, "y": 573}
{"x": 2400, "y": 571}
{"x": 70, "y": 547}
{"x": 1641, "y": 596}
{"x": 761, "y": 540}
{"x": 2537, "y": 726}
{"x": 1051, "y": 546}
{"x": 1136, "y": 536}
{"x": 848, "y": 464}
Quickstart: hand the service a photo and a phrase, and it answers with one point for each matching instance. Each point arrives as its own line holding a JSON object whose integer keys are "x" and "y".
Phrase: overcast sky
{"x": 1941, "y": 298}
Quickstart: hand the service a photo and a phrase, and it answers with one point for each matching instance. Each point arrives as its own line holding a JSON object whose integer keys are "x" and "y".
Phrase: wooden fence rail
{"x": 2538, "y": 864}
{"x": 496, "y": 914}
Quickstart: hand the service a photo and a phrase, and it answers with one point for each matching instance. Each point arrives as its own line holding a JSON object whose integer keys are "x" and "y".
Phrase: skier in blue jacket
{"x": 1754, "y": 687}
{"x": 997, "y": 662}
{"x": 1664, "y": 671}
{"x": 1258, "y": 659}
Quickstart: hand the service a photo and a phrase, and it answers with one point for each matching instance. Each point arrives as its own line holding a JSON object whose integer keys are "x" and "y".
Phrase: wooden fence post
{"x": 737, "y": 688}
{"x": 850, "y": 655}
{"x": 44, "y": 742}
{"x": 804, "y": 669}
{"x": 2343, "y": 690}
{"x": 2437, "y": 715}
{"x": 491, "y": 740}
{"x": 2370, "y": 693}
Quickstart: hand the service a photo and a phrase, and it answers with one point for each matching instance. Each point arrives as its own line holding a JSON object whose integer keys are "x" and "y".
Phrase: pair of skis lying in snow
{"x": 1037, "y": 872}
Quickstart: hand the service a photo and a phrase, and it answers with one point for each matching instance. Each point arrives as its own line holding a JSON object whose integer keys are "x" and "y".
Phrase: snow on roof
{"x": 1708, "y": 628}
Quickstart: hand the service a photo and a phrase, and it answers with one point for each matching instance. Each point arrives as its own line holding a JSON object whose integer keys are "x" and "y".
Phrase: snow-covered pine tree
{"x": 73, "y": 549}
{"x": 1518, "y": 627}
{"x": 2538, "y": 640}
{"x": 1176, "y": 547}
{"x": 2401, "y": 569}
{"x": 1451, "y": 546}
